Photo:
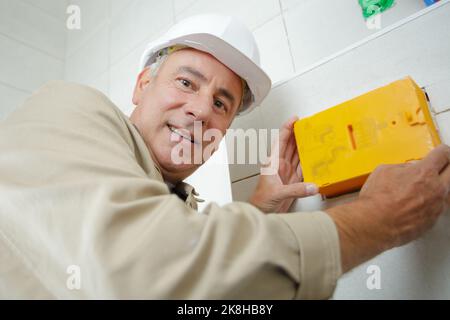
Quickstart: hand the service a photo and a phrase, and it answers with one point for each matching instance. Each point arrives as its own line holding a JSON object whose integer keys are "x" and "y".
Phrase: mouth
{"x": 184, "y": 133}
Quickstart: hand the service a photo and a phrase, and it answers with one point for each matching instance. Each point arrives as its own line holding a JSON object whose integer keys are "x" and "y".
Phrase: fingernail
{"x": 311, "y": 189}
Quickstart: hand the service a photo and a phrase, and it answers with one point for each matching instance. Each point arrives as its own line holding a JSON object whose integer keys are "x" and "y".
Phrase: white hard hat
{"x": 225, "y": 38}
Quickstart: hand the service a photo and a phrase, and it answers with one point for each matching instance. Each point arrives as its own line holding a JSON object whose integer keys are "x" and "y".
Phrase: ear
{"x": 143, "y": 80}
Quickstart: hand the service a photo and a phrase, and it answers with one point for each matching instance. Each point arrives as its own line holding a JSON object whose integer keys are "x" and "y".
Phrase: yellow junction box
{"x": 341, "y": 146}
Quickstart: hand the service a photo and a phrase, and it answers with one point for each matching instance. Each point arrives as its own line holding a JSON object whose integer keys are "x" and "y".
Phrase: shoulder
{"x": 70, "y": 106}
{"x": 61, "y": 96}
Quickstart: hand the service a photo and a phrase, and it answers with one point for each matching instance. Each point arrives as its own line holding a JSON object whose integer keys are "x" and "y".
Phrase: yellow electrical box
{"x": 341, "y": 146}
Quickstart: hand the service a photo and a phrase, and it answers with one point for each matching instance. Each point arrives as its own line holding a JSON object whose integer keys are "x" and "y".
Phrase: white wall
{"x": 419, "y": 48}
{"x": 32, "y": 45}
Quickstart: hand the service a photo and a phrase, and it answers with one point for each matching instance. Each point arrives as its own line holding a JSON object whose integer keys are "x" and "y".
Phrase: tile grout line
{"x": 287, "y": 37}
{"x": 32, "y": 47}
{"x": 183, "y": 10}
{"x": 142, "y": 41}
{"x": 5, "y": 84}
{"x": 108, "y": 72}
{"x": 108, "y": 21}
{"x": 174, "y": 18}
{"x": 130, "y": 51}
{"x": 261, "y": 24}
{"x": 443, "y": 111}
{"x": 245, "y": 178}
{"x": 64, "y": 75}
{"x": 31, "y": 4}
{"x": 130, "y": 3}
{"x": 84, "y": 42}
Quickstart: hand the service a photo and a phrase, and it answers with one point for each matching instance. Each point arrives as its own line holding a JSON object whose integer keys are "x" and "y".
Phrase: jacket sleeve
{"x": 157, "y": 247}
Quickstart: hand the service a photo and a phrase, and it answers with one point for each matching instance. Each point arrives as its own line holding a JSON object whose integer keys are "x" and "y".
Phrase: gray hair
{"x": 247, "y": 97}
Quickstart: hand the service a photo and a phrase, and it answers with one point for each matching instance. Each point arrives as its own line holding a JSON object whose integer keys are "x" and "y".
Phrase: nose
{"x": 199, "y": 109}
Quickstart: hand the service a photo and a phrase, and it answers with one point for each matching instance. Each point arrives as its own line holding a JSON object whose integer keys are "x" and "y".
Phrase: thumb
{"x": 299, "y": 190}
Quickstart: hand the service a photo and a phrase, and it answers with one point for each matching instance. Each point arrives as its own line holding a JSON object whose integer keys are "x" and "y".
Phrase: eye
{"x": 185, "y": 83}
{"x": 219, "y": 105}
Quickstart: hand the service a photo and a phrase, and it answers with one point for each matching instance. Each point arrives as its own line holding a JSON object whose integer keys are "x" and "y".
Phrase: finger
{"x": 295, "y": 160}
{"x": 285, "y": 133}
{"x": 290, "y": 148}
{"x": 412, "y": 162}
{"x": 437, "y": 159}
{"x": 300, "y": 171}
{"x": 299, "y": 190}
{"x": 445, "y": 176}
{"x": 294, "y": 177}
{"x": 295, "y": 155}
{"x": 448, "y": 202}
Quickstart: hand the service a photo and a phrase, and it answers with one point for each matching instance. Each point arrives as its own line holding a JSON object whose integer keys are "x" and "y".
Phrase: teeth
{"x": 180, "y": 133}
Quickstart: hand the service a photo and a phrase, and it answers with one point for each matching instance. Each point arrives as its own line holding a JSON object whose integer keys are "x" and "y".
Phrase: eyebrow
{"x": 222, "y": 91}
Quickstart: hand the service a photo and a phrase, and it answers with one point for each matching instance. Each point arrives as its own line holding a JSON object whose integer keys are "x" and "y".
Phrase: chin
{"x": 165, "y": 161}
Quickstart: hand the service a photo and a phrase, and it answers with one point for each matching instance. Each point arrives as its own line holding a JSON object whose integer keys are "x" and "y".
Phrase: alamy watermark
{"x": 73, "y": 21}
{"x": 374, "y": 21}
{"x": 73, "y": 281}
{"x": 197, "y": 145}
{"x": 373, "y": 282}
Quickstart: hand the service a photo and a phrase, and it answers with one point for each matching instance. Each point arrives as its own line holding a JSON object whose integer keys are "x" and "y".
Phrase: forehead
{"x": 201, "y": 61}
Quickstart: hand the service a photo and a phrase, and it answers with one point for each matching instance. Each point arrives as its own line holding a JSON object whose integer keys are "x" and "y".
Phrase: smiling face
{"x": 190, "y": 87}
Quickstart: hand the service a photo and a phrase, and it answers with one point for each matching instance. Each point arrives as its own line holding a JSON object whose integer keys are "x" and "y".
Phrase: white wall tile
{"x": 56, "y": 8}
{"x": 254, "y": 13}
{"x": 439, "y": 95}
{"x": 443, "y": 122}
{"x": 282, "y": 103}
{"x": 139, "y": 21}
{"x": 93, "y": 15}
{"x": 290, "y": 4}
{"x": 117, "y": 6}
{"x": 212, "y": 180}
{"x": 400, "y": 10}
{"x": 91, "y": 59}
{"x": 123, "y": 79}
{"x": 180, "y": 5}
{"x": 273, "y": 46}
{"x": 100, "y": 82}
{"x": 32, "y": 26}
{"x": 10, "y": 99}
{"x": 251, "y": 121}
{"x": 414, "y": 271}
{"x": 26, "y": 68}
{"x": 242, "y": 190}
{"x": 317, "y": 29}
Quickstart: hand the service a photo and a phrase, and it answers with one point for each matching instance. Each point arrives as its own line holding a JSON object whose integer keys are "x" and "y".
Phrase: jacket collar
{"x": 183, "y": 190}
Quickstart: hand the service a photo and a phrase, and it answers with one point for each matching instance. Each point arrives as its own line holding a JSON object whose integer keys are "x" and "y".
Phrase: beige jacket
{"x": 79, "y": 189}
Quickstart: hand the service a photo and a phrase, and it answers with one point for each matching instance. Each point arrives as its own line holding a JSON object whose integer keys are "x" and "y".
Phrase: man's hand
{"x": 396, "y": 205}
{"x": 276, "y": 192}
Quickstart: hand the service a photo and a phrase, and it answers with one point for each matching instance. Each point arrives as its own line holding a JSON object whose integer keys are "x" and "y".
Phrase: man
{"x": 93, "y": 203}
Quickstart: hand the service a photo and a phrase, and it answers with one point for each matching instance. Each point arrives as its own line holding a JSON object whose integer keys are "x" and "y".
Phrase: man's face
{"x": 191, "y": 86}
